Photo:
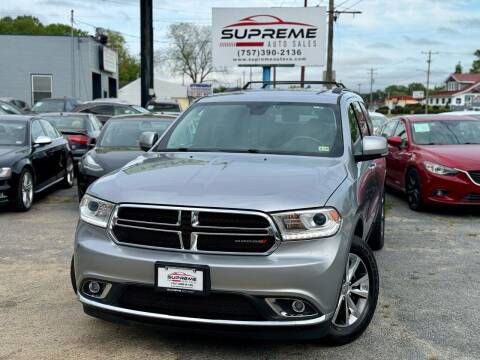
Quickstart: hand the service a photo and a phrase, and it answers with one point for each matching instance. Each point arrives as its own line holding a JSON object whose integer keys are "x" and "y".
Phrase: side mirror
{"x": 374, "y": 147}
{"x": 42, "y": 140}
{"x": 147, "y": 140}
{"x": 395, "y": 141}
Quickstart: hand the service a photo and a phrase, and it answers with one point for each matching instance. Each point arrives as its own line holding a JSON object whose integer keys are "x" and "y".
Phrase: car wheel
{"x": 24, "y": 198}
{"x": 72, "y": 275}
{"x": 69, "y": 174}
{"x": 377, "y": 236}
{"x": 358, "y": 295}
{"x": 413, "y": 190}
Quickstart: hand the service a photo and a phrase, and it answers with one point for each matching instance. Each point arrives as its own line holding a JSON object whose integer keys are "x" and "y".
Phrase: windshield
{"x": 377, "y": 120}
{"x": 447, "y": 132}
{"x": 126, "y": 133}
{"x": 48, "y": 106}
{"x": 158, "y": 107}
{"x": 70, "y": 122}
{"x": 283, "y": 128}
{"x": 140, "y": 109}
{"x": 9, "y": 109}
{"x": 13, "y": 132}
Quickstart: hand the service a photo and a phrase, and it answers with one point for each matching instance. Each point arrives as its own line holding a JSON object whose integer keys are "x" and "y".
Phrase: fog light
{"x": 440, "y": 192}
{"x": 298, "y": 306}
{"x": 94, "y": 287}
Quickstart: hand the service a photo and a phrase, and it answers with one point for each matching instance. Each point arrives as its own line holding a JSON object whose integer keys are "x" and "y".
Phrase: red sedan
{"x": 434, "y": 159}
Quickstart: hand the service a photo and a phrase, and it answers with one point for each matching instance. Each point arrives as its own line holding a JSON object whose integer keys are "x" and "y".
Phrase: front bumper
{"x": 455, "y": 190}
{"x": 308, "y": 270}
{"x": 6, "y": 191}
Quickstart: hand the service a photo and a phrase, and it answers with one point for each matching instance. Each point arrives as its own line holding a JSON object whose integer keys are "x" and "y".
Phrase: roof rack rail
{"x": 293, "y": 82}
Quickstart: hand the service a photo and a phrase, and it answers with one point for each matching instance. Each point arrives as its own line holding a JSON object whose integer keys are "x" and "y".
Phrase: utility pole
{"x": 146, "y": 50}
{"x": 250, "y": 74}
{"x": 73, "y": 53}
{"x": 302, "y": 69}
{"x": 332, "y": 17}
{"x": 372, "y": 80}
{"x": 360, "y": 88}
{"x": 331, "y": 14}
{"x": 429, "y": 61}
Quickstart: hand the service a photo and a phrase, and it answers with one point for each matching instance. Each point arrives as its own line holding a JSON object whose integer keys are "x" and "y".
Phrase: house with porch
{"x": 462, "y": 91}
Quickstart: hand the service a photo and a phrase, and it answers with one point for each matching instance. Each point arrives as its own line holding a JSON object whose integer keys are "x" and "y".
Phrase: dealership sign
{"x": 418, "y": 94}
{"x": 108, "y": 59}
{"x": 268, "y": 36}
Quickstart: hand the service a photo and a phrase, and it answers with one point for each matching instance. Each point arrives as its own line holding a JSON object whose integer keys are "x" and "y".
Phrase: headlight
{"x": 5, "y": 173}
{"x": 439, "y": 169}
{"x": 308, "y": 224}
{"x": 89, "y": 163}
{"x": 95, "y": 211}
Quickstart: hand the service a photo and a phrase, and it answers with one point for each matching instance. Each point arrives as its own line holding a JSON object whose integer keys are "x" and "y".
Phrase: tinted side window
{"x": 37, "y": 130}
{"x": 354, "y": 131}
{"x": 388, "y": 128}
{"x": 49, "y": 129}
{"x": 101, "y": 110}
{"x": 122, "y": 110}
{"x": 361, "y": 118}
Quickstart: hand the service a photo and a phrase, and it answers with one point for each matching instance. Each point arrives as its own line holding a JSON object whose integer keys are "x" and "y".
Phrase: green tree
{"x": 476, "y": 63}
{"x": 397, "y": 90}
{"x": 30, "y": 25}
{"x": 415, "y": 87}
{"x": 458, "y": 68}
{"x": 128, "y": 65}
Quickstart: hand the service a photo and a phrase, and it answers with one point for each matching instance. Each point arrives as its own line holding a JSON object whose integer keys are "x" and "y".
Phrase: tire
{"x": 413, "y": 190}
{"x": 72, "y": 275}
{"x": 24, "y": 197}
{"x": 376, "y": 239}
{"x": 67, "y": 182}
{"x": 342, "y": 332}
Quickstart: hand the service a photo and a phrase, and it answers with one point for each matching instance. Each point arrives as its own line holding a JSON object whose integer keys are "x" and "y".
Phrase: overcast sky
{"x": 388, "y": 36}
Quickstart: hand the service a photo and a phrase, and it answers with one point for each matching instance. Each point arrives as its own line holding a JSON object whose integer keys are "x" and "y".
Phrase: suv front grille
{"x": 205, "y": 230}
{"x": 213, "y": 306}
{"x": 475, "y": 175}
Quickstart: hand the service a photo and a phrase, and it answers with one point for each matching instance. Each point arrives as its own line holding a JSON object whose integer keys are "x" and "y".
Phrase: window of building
{"x": 443, "y": 100}
{"x": 41, "y": 87}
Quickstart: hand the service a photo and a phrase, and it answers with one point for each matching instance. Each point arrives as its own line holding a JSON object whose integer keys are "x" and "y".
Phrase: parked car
{"x": 33, "y": 157}
{"x": 22, "y": 105}
{"x": 472, "y": 113}
{"x": 434, "y": 159}
{"x": 254, "y": 209}
{"x": 50, "y": 105}
{"x": 164, "y": 106}
{"x": 10, "y": 109}
{"x": 118, "y": 143}
{"x": 81, "y": 130}
{"x": 377, "y": 120}
{"x": 104, "y": 110}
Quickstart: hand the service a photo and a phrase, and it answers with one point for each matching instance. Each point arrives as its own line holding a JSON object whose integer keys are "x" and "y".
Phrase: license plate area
{"x": 182, "y": 278}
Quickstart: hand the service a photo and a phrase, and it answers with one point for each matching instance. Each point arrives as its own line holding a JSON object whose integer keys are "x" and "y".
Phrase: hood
{"x": 10, "y": 155}
{"x": 114, "y": 158}
{"x": 224, "y": 180}
{"x": 464, "y": 157}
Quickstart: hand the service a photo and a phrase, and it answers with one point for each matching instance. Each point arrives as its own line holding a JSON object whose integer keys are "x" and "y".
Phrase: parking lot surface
{"x": 428, "y": 306}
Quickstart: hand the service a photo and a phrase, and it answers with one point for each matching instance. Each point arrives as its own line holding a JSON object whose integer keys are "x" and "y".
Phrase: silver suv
{"x": 256, "y": 211}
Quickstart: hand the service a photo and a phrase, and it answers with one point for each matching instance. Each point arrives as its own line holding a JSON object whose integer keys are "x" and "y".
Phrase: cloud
{"x": 380, "y": 45}
{"x": 445, "y": 30}
{"x": 472, "y": 22}
{"x": 422, "y": 41}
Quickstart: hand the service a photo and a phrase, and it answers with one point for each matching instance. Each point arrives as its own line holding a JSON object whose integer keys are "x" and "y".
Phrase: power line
{"x": 372, "y": 80}
{"x": 429, "y": 61}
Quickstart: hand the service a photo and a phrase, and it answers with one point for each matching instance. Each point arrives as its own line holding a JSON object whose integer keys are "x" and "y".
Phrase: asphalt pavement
{"x": 429, "y": 305}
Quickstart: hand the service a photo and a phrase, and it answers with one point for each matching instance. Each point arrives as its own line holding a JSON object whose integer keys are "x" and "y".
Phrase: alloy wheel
{"x": 70, "y": 172}
{"x": 413, "y": 190}
{"x": 27, "y": 190}
{"x": 354, "y": 294}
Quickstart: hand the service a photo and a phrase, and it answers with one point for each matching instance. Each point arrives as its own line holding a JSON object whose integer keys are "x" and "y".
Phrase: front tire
{"x": 24, "y": 197}
{"x": 413, "y": 189}
{"x": 376, "y": 239}
{"x": 358, "y": 296}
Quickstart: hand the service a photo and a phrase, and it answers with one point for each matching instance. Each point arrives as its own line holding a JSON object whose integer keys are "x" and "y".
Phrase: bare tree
{"x": 191, "y": 51}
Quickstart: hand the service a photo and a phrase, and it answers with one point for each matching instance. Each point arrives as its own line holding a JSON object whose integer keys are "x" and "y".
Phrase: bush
{"x": 382, "y": 110}
{"x": 397, "y": 110}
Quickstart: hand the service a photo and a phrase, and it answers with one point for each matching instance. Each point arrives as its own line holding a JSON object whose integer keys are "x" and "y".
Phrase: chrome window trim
{"x": 272, "y": 229}
{"x": 267, "y": 323}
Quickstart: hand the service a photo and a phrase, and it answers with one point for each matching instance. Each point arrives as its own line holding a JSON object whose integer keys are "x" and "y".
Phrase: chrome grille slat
{"x": 264, "y": 239}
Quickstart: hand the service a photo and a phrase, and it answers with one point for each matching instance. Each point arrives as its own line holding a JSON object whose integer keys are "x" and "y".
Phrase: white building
{"x": 462, "y": 91}
{"x": 131, "y": 92}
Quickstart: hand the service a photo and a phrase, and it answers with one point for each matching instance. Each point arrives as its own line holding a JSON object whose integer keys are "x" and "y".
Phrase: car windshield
{"x": 52, "y": 105}
{"x": 13, "y": 132}
{"x": 140, "y": 109}
{"x": 126, "y": 133}
{"x": 69, "y": 122}
{"x": 9, "y": 109}
{"x": 283, "y": 128}
{"x": 377, "y": 120}
{"x": 159, "y": 107}
{"x": 448, "y": 132}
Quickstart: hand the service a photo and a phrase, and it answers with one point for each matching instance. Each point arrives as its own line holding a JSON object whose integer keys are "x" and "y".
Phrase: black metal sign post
{"x": 146, "y": 50}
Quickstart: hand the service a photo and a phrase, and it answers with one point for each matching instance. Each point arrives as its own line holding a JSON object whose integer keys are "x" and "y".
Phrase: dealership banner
{"x": 268, "y": 36}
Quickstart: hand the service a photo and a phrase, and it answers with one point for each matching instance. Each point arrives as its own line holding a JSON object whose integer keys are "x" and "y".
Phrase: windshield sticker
{"x": 324, "y": 148}
{"x": 421, "y": 127}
